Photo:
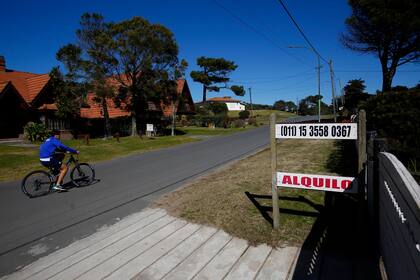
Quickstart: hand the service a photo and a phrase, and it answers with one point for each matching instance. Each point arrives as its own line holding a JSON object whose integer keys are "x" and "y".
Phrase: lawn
{"x": 15, "y": 162}
{"x": 220, "y": 199}
{"x": 263, "y": 116}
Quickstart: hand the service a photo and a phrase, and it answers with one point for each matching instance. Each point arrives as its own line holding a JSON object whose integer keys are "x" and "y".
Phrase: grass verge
{"x": 220, "y": 199}
{"x": 15, "y": 161}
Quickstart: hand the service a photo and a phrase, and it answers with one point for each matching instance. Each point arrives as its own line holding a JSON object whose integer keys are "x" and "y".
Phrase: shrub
{"x": 36, "y": 132}
{"x": 396, "y": 116}
{"x": 253, "y": 121}
{"x": 238, "y": 123}
{"x": 218, "y": 108}
{"x": 244, "y": 114}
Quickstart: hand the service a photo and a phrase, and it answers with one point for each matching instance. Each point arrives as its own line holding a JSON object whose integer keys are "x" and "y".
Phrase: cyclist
{"x": 50, "y": 158}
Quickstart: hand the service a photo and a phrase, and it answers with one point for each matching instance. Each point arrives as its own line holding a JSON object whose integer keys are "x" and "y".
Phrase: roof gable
{"x": 28, "y": 85}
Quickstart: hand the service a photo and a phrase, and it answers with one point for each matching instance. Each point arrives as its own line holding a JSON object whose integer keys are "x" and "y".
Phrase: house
{"x": 158, "y": 113}
{"x": 232, "y": 104}
{"x": 25, "y": 97}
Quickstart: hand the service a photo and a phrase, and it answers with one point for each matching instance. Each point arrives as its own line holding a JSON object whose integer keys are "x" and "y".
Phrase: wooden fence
{"x": 393, "y": 198}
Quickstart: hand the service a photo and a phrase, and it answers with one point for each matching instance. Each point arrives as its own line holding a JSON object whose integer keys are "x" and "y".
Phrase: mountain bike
{"x": 40, "y": 182}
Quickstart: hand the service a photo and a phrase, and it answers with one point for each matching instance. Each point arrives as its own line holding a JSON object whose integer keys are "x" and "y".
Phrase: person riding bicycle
{"x": 49, "y": 157}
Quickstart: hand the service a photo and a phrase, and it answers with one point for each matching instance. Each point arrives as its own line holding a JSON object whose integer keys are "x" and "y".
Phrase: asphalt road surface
{"x": 32, "y": 228}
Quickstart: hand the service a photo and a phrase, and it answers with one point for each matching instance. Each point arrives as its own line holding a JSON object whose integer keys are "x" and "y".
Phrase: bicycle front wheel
{"x": 37, "y": 183}
{"x": 82, "y": 175}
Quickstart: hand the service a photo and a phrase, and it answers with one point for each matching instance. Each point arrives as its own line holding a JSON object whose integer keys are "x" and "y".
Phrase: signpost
{"x": 340, "y": 131}
{"x": 149, "y": 129}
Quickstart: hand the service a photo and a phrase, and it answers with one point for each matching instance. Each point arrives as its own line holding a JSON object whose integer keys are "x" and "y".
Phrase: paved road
{"x": 32, "y": 228}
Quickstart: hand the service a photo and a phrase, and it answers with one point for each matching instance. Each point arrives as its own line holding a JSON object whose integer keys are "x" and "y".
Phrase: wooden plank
{"x": 115, "y": 262}
{"x": 139, "y": 263}
{"x": 221, "y": 264}
{"x": 250, "y": 263}
{"x": 361, "y": 142}
{"x": 165, "y": 264}
{"x": 408, "y": 224}
{"x": 274, "y": 189}
{"x": 68, "y": 256}
{"x": 392, "y": 226}
{"x": 278, "y": 264}
{"x": 81, "y": 244}
{"x": 120, "y": 243}
{"x": 195, "y": 262}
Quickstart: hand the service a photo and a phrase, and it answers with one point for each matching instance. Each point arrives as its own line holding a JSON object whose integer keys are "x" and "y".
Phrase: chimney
{"x": 2, "y": 64}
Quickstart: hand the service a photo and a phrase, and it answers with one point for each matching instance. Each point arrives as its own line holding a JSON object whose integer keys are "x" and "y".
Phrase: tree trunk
{"x": 204, "y": 93}
{"x": 173, "y": 119}
{"x": 387, "y": 76}
{"x": 106, "y": 118}
{"x": 133, "y": 123}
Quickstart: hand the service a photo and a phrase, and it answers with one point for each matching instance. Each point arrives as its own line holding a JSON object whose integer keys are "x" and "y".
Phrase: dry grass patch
{"x": 220, "y": 200}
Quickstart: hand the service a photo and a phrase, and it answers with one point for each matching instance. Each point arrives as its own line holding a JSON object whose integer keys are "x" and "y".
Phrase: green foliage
{"x": 238, "y": 123}
{"x": 67, "y": 94}
{"x": 244, "y": 114}
{"x": 309, "y": 106}
{"x": 238, "y": 90}
{"x": 218, "y": 108}
{"x": 35, "y": 132}
{"x": 354, "y": 94}
{"x": 214, "y": 75}
{"x": 206, "y": 121}
{"x": 388, "y": 29}
{"x": 396, "y": 116}
{"x": 279, "y": 105}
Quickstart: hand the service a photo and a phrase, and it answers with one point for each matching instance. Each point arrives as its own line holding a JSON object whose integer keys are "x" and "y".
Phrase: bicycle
{"x": 40, "y": 182}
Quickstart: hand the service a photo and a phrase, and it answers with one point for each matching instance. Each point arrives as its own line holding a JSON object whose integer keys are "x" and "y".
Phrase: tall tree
{"x": 145, "y": 56}
{"x": 309, "y": 106}
{"x": 388, "y": 29}
{"x": 214, "y": 75}
{"x": 354, "y": 93}
{"x": 279, "y": 105}
{"x": 290, "y": 106}
{"x": 67, "y": 94}
{"x": 89, "y": 61}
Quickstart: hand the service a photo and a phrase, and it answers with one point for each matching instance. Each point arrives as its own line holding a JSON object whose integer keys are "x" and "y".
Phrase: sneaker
{"x": 58, "y": 188}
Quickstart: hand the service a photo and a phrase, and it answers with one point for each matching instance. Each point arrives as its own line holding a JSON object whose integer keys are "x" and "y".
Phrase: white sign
{"x": 149, "y": 127}
{"x": 317, "y": 182}
{"x": 346, "y": 131}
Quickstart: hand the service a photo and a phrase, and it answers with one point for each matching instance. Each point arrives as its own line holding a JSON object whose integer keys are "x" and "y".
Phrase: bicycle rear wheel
{"x": 37, "y": 183}
{"x": 82, "y": 175}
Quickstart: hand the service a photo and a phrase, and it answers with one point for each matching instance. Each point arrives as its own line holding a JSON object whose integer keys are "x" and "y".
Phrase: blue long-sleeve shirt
{"x": 50, "y": 145}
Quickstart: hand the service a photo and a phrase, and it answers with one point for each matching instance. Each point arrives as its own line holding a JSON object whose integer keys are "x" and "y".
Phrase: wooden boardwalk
{"x": 153, "y": 245}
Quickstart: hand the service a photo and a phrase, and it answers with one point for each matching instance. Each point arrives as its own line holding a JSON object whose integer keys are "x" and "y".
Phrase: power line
{"x": 301, "y": 31}
{"x": 262, "y": 34}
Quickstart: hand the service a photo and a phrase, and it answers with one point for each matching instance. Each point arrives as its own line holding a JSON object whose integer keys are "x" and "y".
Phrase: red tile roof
{"x": 223, "y": 99}
{"x": 48, "y": 107}
{"x": 29, "y": 85}
{"x": 95, "y": 109}
{"x": 3, "y": 85}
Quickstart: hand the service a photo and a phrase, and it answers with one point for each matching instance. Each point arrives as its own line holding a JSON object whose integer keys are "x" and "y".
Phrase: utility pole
{"x": 250, "y": 101}
{"x": 297, "y": 105}
{"x": 332, "y": 88}
{"x": 319, "y": 87}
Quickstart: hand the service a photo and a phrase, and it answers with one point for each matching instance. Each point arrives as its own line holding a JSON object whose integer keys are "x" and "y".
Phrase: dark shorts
{"x": 54, "y": 163}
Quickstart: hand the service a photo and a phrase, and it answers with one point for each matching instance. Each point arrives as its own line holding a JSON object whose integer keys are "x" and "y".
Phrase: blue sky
{"x": 254, "y": 34}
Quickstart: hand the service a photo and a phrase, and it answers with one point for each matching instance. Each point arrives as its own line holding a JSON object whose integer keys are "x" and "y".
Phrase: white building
{"x": 232, "y": 104}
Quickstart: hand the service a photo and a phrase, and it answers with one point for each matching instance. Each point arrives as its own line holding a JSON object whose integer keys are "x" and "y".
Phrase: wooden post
{"x": 361, "y": 141}
{"x": 117, "y": 135}
{"x": 87, "y": 139}
{"x": 274, "y": 192}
